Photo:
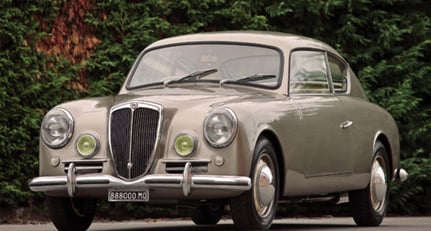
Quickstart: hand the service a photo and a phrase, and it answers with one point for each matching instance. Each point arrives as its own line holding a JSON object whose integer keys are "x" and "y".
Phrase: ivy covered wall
{"x": 60, "y": 50}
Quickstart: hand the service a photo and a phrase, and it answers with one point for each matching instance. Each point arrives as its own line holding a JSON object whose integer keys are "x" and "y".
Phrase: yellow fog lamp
{"x": 87, "y": 145}
{"x": 185, "y": 144}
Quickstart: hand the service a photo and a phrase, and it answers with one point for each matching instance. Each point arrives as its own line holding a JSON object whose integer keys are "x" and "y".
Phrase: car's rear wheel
{"x": 369, "y": 205}
{"x": 207, "y": 214}
{"x": 255, "y": 209}
{"x": 71, "y": 214}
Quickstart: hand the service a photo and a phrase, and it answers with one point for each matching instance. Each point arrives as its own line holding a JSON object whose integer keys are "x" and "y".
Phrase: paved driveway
{"x": 290, "y": 224}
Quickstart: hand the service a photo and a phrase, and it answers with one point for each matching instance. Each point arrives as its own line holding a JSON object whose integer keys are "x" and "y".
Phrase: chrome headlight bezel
{"x": 57, "y": 128}
{"x": 220, "y": 127}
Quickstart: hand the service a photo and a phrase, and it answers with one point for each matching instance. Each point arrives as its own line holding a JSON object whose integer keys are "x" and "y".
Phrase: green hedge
{"x": 30, "y": 83}
{"x": 387, "y": 42}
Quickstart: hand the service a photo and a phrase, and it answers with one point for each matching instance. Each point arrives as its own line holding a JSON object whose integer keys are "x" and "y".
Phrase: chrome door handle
{"x": 346, "y": 124}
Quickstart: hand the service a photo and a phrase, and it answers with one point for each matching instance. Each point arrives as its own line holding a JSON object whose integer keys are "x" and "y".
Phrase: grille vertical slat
{"x": 136, "y": 128}
{"x": 145, "y": 123}
{"x": 120, "y": 136}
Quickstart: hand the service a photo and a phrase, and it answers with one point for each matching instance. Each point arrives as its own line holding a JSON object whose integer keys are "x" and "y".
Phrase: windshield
{"x": 222, "y": 63}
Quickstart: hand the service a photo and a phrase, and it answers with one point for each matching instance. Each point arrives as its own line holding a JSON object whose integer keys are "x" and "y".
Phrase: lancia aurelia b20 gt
{"x": 238, "y": 119}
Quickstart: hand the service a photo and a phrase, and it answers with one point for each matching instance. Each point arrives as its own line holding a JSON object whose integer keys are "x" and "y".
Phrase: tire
{"x": 208, "y": 214}
{"x": 256, "y": 208}
{"x": 71, "y": 214}
{"x": 369, "y": 205}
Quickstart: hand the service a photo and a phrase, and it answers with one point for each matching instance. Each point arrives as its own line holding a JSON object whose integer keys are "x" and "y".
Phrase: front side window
{"x": 308, "y": 73}
{"x": 226, "y": 63}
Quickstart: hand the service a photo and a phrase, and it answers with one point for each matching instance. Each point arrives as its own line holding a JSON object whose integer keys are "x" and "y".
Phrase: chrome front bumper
{"x": 185, "y": 181}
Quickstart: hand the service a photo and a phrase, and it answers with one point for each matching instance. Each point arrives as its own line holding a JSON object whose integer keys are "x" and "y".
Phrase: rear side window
{"x": 308, "y": 73}
{"x": 338, "y": 73}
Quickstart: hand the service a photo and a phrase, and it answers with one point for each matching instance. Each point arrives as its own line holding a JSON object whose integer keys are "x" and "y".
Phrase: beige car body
{"x": 316, "y": 153}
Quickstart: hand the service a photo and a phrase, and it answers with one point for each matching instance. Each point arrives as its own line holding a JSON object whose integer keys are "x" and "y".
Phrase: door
{"x": 324, "y": 125}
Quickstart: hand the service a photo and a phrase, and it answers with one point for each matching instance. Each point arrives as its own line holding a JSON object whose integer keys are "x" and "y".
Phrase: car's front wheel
{"x": 369, "y": 205}
{"x": 71, "y": 214}
{"x": 255, "y": 209}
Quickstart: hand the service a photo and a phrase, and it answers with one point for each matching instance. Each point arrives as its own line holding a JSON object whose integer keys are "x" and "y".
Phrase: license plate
{"x": 129, "y": 195}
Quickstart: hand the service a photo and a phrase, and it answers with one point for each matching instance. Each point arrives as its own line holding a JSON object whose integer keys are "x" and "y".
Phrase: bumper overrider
{"x": 185, "y": 181}
{"x": 401, "y": 175}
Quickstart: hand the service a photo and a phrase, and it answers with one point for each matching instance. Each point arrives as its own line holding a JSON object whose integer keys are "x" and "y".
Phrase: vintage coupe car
{"x": 244, "y": 119}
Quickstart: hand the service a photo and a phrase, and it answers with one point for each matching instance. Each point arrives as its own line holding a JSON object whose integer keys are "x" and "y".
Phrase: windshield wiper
{"x": 197, "y": 74}
{"x": 255, "y": 77}
{"x": 249, "y": 78}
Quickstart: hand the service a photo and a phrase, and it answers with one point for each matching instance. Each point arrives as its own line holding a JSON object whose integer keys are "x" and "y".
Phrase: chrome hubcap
{"x": 264, "y": 186}
{"x": 378, "y": 185}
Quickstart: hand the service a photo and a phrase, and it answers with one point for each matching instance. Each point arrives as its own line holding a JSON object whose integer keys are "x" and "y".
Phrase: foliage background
{"x": 60, "y": 50}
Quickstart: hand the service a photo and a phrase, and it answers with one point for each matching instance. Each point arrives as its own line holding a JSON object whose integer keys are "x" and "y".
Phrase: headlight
{"x": 185, "y": 144}
{"x": 87, "y": 145}
{"x": 220, "y": 127}
{"x": 57, "y": 128}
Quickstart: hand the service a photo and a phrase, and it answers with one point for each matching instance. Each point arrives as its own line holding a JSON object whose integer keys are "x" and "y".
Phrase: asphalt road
{"x": 291, "y": 224}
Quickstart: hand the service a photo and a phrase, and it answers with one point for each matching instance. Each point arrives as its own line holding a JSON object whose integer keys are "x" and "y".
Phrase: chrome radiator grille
{"x": 134, "y": 131}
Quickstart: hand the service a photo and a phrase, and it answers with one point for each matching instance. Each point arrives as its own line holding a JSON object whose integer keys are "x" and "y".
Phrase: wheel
{"x": 255, "y": 209}
{"x": 208, "y": 214}
{"x": 71, "y": 214}
{"x": 369, "y": 205}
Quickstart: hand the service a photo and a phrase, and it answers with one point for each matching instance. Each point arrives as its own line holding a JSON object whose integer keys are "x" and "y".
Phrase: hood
{"x": 212, "y": 97}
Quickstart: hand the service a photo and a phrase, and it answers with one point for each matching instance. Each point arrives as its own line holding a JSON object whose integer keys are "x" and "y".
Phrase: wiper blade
{"x": 198, "y": 74}
{"x": 192, "y": 76}
{"x": 153, "y": 84}
{"x": 249, "y": 78}
{"x": 255, "y": 77}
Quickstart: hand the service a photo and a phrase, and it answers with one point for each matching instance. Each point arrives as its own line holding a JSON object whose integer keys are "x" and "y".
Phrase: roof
{"x": 278, "y": 39}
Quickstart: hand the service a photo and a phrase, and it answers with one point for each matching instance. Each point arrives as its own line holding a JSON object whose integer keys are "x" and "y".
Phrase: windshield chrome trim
{"x": 210, "y": 42}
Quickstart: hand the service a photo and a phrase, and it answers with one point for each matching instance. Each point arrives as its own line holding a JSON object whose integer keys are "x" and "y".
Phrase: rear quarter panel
{"x": 370, "y": 122}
